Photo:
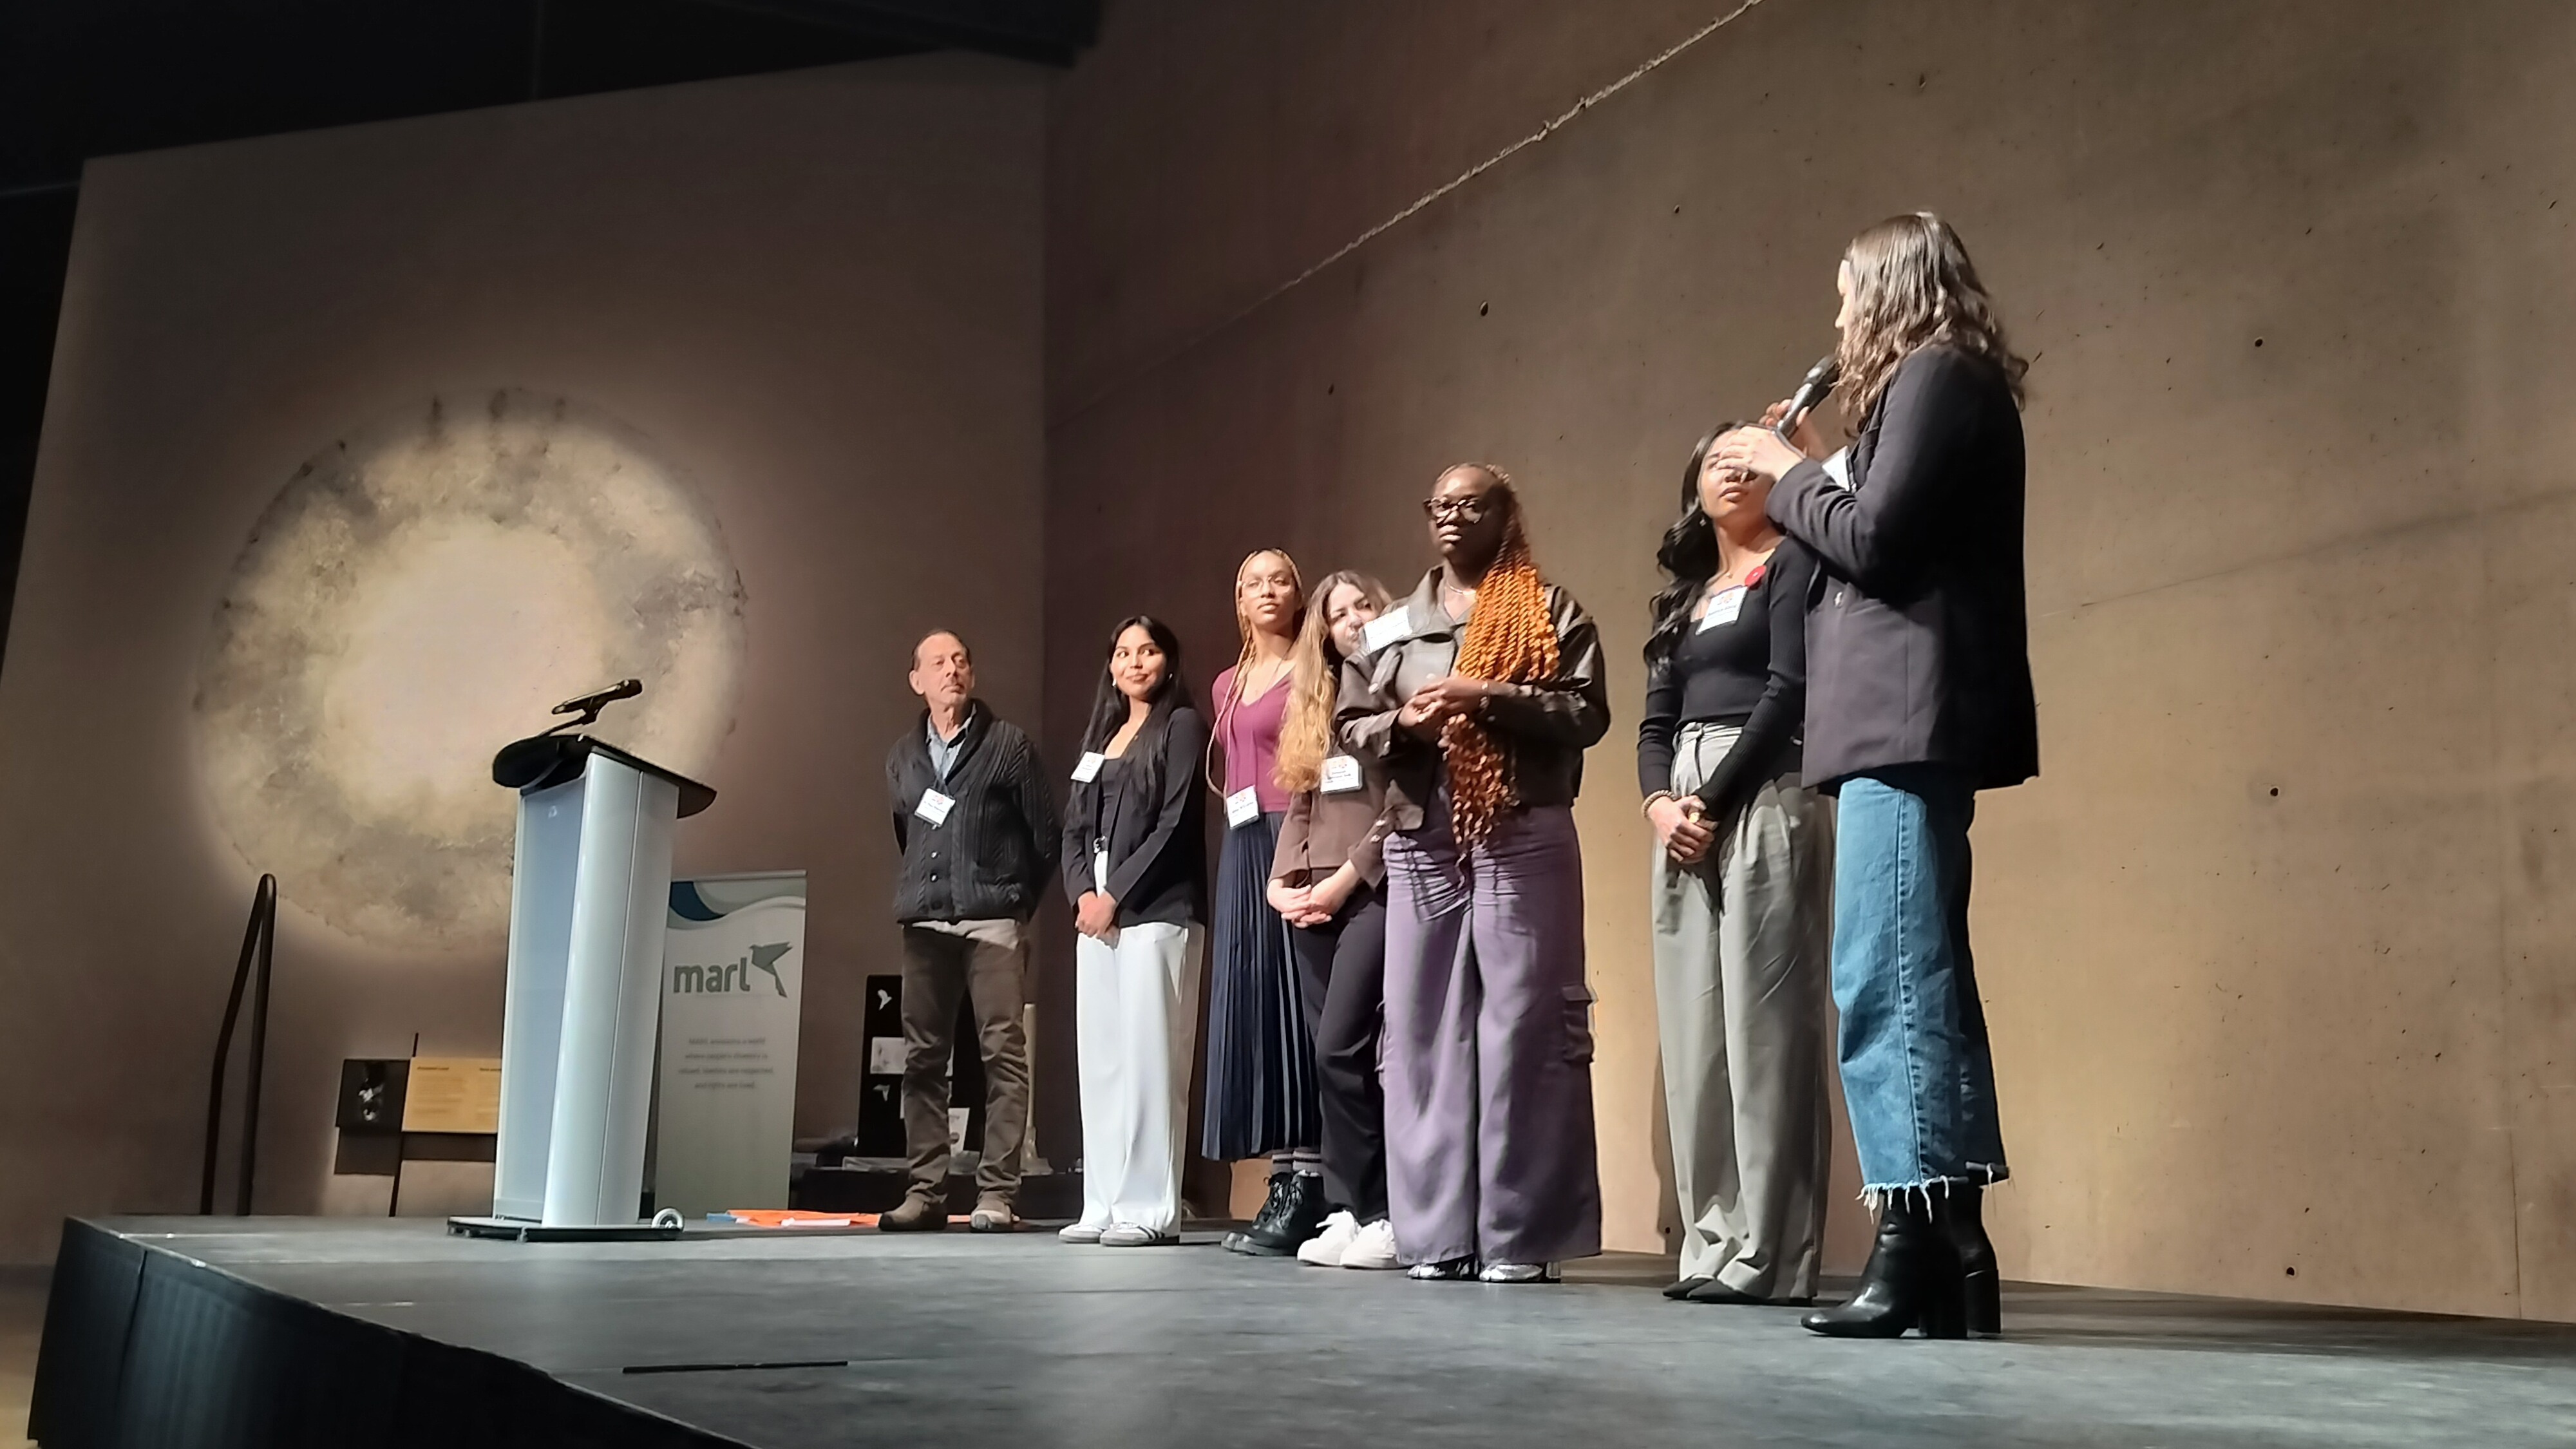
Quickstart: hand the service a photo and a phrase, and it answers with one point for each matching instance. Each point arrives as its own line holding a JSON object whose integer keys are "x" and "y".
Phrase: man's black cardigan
{"x": 995, "y": 853}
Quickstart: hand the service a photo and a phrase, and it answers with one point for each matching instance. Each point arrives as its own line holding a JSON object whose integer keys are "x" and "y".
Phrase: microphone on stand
{"x": 1820, "y": 380}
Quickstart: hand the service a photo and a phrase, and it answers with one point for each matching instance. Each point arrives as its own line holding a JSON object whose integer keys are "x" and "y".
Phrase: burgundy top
{"x": 1248, "y": 732}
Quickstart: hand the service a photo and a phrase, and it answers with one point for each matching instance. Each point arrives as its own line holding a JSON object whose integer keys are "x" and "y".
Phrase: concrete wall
{"x": 2278, "y": 967}
{"x": 816, "y": 296}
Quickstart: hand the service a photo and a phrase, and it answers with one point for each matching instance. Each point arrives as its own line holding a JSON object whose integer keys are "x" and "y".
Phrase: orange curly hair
{"x": 1511, "y": 636}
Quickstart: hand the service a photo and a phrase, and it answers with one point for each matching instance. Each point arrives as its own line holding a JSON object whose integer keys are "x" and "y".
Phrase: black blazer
{"x": 1918, "y": 636}
{"x": 1157, "y": 826}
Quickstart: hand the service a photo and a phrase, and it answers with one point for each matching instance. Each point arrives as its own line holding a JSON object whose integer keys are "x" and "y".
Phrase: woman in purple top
{"x": 1261, "y": 1055}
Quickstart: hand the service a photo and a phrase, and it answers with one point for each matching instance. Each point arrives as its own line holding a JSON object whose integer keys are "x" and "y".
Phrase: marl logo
{"x": 732, "y": 975}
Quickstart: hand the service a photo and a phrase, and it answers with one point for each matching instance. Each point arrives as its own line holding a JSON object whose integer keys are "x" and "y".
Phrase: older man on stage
{"x": 977, "y": 826}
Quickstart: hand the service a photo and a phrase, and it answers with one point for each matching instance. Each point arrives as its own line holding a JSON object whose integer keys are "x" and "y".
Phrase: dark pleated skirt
{"x": 1261, "y": 1061}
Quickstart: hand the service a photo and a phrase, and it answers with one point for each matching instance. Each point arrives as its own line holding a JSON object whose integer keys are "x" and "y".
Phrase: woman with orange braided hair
{"x": 1476, "y": 700}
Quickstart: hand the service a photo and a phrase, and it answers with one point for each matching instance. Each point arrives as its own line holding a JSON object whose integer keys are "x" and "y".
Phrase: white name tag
{"x": 1723, "y": 609}
{"x": 1838, "y": 467}
{"x": 934, "y": 807}
{"x": 1087, "y": 769}
{"x": 1341, "y": 773}
{"x": 1242, "y": 807}
{"x": 1383, "y": 630}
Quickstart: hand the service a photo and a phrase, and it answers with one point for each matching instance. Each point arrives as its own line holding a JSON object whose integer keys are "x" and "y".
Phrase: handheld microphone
{"x": 1820, "y": 380}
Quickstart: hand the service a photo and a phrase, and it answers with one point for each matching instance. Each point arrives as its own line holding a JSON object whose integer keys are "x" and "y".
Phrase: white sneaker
{"x": 1518, "y": 1273}
{"x": 1324, "y": 1250}
{"x": 1371, "y": 1247}
{"x": 1081, "y": 1233}
{"x": 1447, "y": 1270}
{"x": 1129, "y": 1235}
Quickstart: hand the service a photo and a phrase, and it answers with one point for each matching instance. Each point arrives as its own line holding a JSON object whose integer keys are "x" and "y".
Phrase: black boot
{"x": 1912, "y": 1281}
{"x": 1960, "y": 1212}
{"x": 1268, "y": 1216}
{"x": 1300, "y": 1216}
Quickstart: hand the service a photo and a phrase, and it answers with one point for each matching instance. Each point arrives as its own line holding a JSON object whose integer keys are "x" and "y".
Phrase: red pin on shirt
{"x": 1753, "y": 580}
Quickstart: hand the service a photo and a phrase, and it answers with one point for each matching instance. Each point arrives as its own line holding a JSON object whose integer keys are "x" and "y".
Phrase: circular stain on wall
{"x": 419, "y": 594}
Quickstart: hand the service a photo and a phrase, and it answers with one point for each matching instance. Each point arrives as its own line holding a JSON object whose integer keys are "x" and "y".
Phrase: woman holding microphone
{"x": 1918, "y": 696}
{"x": 1742, "y": 893}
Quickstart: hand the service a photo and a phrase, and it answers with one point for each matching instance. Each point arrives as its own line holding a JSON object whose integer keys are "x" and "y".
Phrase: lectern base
{"x": 522, "y": 1231}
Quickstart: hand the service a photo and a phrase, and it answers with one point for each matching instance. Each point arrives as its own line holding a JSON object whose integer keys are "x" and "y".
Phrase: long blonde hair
{"x": 1245, "y": 656}
{"x": 1511, "y": 636}
{"x": 1314, "y": 682}
{"x": 1914, "y": 287}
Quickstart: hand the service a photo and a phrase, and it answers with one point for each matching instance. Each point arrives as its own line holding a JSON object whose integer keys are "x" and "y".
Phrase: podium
{"x": 589, "y": 890}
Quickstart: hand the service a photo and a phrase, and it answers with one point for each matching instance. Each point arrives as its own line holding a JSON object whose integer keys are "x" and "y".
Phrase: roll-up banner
{"x": 733, "y": 975}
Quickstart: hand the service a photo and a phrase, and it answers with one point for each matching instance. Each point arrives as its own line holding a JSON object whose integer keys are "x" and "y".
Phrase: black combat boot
{"x": 1268, "y": 1216}
{"x": 1300, "y": 1216}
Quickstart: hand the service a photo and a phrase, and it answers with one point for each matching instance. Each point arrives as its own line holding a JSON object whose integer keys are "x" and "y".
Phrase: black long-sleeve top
{"x": 1751, "y": 671}
{"x": 1147, "y": 811}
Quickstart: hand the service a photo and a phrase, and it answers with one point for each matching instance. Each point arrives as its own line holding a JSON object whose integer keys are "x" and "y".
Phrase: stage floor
{"x": 955, "y": 1340}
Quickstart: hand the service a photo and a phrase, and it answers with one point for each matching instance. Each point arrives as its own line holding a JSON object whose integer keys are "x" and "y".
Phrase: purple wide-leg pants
{"x": 1490, "y": 1151}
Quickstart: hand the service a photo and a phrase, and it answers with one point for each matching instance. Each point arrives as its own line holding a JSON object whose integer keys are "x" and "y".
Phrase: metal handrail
{"x": 259, "y": 944}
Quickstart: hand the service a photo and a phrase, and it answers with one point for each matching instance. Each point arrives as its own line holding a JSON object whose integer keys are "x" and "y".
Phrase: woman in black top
{"x": 1135, "y": 864}
{"x": 1742, "y": 894}
{"x": 1919, "y": 696}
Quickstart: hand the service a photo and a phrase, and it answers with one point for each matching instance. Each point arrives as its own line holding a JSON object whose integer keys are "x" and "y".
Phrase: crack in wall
{"x": 1411, "y": 209}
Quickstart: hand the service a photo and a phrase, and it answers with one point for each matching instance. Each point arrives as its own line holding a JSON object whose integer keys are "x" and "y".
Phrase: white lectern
{"x": 589, "y": 890}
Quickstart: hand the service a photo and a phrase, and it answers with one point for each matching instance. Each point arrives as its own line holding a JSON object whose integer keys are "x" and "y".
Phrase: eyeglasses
{"x": 1470, "y": 509}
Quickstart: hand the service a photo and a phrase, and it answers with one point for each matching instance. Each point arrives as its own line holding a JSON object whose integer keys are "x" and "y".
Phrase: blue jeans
{"x": 1918, "y": 1078}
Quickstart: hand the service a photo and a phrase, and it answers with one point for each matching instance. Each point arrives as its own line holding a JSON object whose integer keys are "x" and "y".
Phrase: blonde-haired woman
{"x": 1261, "y": 1054}
{"x": 1327, "y": 881}
{"x": 1918, "y": 696}
{"x": 1477, "y": 699}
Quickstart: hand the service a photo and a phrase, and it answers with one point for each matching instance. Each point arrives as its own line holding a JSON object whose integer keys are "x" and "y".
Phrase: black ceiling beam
{"x": 1051, "y": 32}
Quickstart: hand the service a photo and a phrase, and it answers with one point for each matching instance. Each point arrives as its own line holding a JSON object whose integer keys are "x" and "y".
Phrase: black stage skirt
{"x": 1261, "y": 1062}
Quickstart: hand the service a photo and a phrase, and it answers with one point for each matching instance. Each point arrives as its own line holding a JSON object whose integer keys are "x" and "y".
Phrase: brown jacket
{"x": 1542, "y": 728}
{"x": 1325, "y": 829}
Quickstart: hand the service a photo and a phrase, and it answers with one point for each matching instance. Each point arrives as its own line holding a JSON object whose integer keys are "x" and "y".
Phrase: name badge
{"x": 1723, "y": 609}
{"x": 934, "y": 807}
{"x": 1383, "y": 630}
{"x": 1838, "y": 467}
{"x": 1087, "y": 769}
{"x": 1242, "y": 807}
{"x": 1341, "y": 773}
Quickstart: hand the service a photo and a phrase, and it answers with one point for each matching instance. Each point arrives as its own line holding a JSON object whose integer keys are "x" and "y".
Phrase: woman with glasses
{"x": 1476, "y": 700}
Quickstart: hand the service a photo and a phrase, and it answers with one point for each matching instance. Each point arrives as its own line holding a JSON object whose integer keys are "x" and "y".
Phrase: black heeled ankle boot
{"x": 1268, "y": 1216}
{"x": 1960, "y": 1212}
{"x": 1912, "y": 1281}
{"x": 1300, "y": 1215}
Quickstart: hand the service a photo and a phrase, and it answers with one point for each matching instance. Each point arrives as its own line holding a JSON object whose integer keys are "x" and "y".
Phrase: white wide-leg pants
{"x": 1136, "y": 1011}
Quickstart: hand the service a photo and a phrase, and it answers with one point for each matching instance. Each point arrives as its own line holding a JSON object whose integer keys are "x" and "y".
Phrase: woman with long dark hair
{"x": 1135, "y": 864}
{"x": 1742, "y": 893}
{"x": 1327, "y": 881}
{"x": 1477, "y": 699}
{"x": 1918, "y": 696}
{"x": 1261, "y": 1051}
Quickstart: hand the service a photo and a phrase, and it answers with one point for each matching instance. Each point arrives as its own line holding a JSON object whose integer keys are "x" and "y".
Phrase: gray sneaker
{"x": 993, "y": 1214}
